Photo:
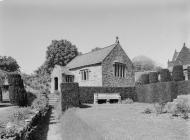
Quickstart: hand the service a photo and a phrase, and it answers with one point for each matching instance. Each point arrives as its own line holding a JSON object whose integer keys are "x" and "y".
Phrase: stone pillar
{"x": 95, "y": 98}
{"x": 69, "y": 95}
{"x": 119, "y": 100}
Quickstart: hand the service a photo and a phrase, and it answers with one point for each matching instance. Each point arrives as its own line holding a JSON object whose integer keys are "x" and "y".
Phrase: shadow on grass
{"x": 40, "y": 133}
{"x": 84, "y": 106}
{"x": 5, "y": 104}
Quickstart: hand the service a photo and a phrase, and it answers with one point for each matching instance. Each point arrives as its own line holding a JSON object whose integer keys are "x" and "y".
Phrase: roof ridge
{"x": 96, "y": 50}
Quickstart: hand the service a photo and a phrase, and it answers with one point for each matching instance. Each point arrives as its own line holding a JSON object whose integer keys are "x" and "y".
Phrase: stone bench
{"x": 107, "y": 97}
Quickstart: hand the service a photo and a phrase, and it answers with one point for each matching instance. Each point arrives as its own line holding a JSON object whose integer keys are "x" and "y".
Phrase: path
{"x": 53, "y": 133}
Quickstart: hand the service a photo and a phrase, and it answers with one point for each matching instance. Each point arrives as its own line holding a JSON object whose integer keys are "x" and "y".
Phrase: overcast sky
{"x": 154, "y": 28}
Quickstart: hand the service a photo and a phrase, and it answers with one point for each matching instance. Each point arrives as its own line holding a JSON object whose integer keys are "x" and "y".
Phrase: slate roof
{"x": 183, "y": 57}
{"x": 91, "y": 58}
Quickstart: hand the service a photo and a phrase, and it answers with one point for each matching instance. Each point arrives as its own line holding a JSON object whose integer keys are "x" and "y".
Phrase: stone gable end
{"x": 108, "y": 77}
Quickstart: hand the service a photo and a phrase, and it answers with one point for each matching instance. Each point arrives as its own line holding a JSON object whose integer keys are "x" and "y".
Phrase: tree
{"x": 143, "y": 63}
{"x": 8, "y": 64}
{"x": 60, "y": 53}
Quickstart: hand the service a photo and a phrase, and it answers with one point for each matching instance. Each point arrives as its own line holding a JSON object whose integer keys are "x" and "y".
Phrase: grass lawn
{"x": 125, "y": 122}
{"x": 5, "y": 111}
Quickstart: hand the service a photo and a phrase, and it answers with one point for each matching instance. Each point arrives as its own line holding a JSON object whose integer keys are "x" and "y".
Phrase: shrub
{"x": 127, "y": 101}
{"x": 144, "y": 78}
{"x": 147, "y": 111}
{"x": 177, "y": 73}
{"x": 165, "y": 75}
{"x": 20, "y": 114}
{"x": 17, "y": 93}
{"x": 153, "y": 77}
{"x": 188, "y": 72}
{"x": 40, "y": 103}
{"x": 159, "y": 108}
{"x": 180, "y": 106}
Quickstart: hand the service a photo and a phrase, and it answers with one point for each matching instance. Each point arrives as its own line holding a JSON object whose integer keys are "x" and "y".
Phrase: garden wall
{"x": 87, "y": 93}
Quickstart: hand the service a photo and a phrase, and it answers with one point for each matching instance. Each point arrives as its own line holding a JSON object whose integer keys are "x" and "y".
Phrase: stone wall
{"x": 95, "y": 76}
{"x": 69, "y": 95}
{"x": 109, "y": 79}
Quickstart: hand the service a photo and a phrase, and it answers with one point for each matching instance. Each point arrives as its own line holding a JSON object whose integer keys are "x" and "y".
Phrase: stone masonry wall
{"x": 95, "y": 76}
{"x": 109, "y": 79}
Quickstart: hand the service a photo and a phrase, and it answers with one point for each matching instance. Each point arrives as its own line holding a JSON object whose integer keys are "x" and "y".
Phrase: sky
{"x": 154, "y": 28}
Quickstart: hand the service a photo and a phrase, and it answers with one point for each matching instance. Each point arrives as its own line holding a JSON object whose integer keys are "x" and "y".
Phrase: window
{"x": 119, "y": 69}
{"x": 69, "y": 78}
{"x": 84, "y": 74}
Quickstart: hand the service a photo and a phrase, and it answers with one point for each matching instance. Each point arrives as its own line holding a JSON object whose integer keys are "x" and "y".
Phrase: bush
{"x": 180, "y": 106}
{"x": 177, "y": 73}
{"x": 144, "y": 79}
{"x": 159, "y": 108}
{"x": 127, "y": 101}
{"x": 20, "y": 114}
{"x": 188, "y": 72}
{"x": 165, "y": 75}
{"x": 40, "y": 103}
{"x": 153, "y": 77}
{"x": 17, "y": 93}
{"x": 147, "y": 111}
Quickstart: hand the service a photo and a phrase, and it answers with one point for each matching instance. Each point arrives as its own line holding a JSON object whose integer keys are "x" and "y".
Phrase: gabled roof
{"x": 91, "y": 58}
{"x": 183, "y": 57}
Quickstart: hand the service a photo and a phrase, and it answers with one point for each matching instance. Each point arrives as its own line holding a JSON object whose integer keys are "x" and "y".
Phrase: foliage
{"x": 143, "y": 63}
{"x": 180, "y": 106}
{"x": 177, "y": 73}
{"x": 21, "y": 114}
{"x": 60, "y": 52}
{"x": 159, "y": 108}
{"x": 165, "y": 75}
{"x": 40, "y": 103}
{"x": 8, "y": 64}
{"x": 17, "y": 92}
{"x": 35, "y": 82}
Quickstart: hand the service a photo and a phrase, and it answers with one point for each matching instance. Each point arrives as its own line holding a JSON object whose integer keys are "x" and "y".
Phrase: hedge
{"x": 69, "y": 95}
{"x": 144, "y": 79}
{"x": 1, "y": 96}
{"x": 188, "y": 72}
{"x": 17, "y": 93}
{"x": 165, "y": 75}
{"x": 87, "y": 93}
{"x": 157, "y": 92}
{"x": 153, "y": 77}
{"x": 177, "y": 73}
